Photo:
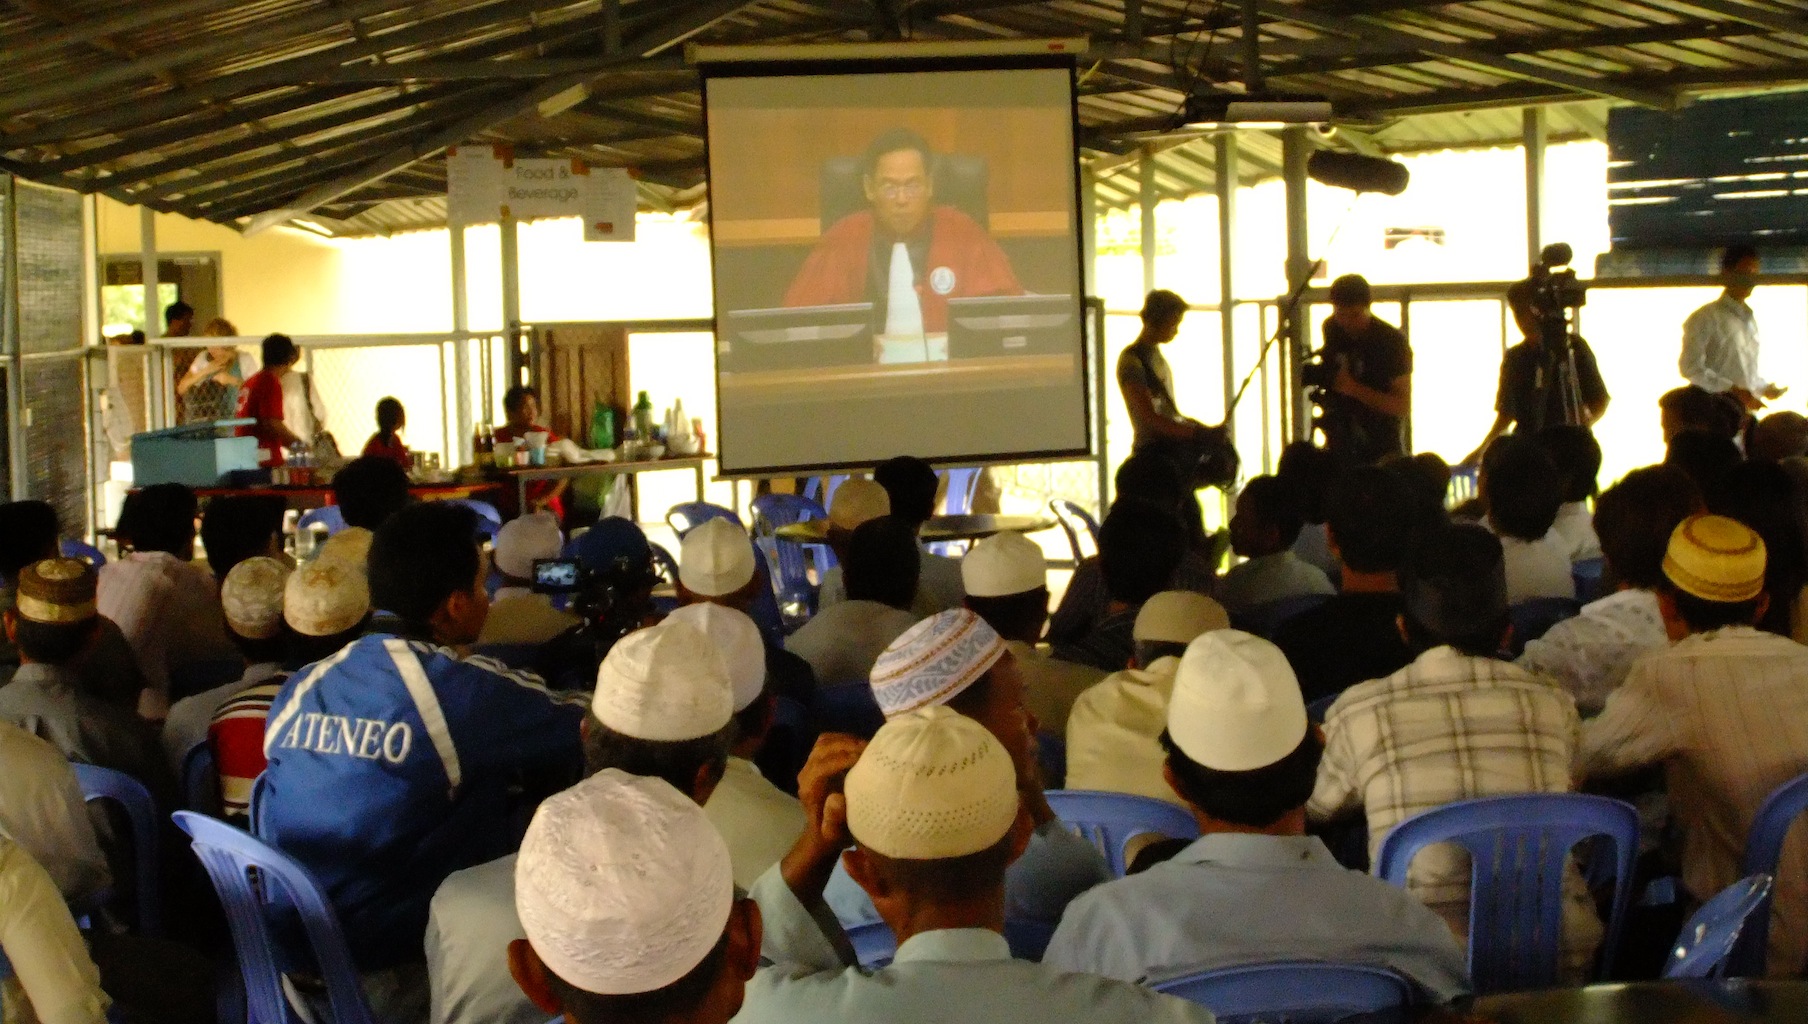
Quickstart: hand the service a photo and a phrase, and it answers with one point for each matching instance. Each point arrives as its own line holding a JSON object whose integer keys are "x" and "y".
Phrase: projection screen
{"x": 896, "y": 264}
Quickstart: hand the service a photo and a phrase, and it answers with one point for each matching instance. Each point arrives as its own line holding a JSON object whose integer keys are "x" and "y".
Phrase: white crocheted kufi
{"x": 622, "y": 885}
{"x": 1236, "y": 705}
{"x": 523, "y": 541}
{"x": 665, "y": 683}
{"x": 1004, "y": 565}
{"x": 716, "y": 558}
{"x": 252, "y": 597}
{"x": 934, "y": 660}
{"x": 325, "y": 597}
{"x": 737, "y": 640}
{"x": 932, "y": 784}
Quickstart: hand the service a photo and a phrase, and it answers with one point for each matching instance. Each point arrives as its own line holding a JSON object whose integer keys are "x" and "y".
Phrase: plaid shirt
{"x": 1451, "y": 727}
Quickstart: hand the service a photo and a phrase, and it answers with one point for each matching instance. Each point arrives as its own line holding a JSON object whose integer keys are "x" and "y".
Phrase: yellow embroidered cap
{"x": 1716, "y": 559}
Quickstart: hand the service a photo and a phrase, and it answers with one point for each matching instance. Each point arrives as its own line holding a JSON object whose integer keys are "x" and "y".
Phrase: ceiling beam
{"x": 129, "y": 18}
{"x": 648, "y": 42}
{"x": 487, "y": 70}
{"x": 1508, "y": 66}
{"x": 1768, "y": 18}
{"x": 1350, "y": 55}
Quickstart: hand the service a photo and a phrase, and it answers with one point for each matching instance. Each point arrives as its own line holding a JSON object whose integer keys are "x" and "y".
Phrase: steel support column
{"x": 1145, "y": 198}
{"x": 1226, "y": 146}
{"x": 1534, "y": 128}
{"x": 1295, "y": 149}
{"x": 462, "y": 415}
{"x": 511, "y": 300}
{"x": 154, "y": 375}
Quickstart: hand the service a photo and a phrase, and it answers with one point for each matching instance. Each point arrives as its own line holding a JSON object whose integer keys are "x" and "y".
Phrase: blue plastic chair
{"x": 1534, "y": 617}
{"x": 821, "y": 489}
{"x": 687, "y": 516}
{"x": 1318, "y": 709}
{"x": 666, "y": 566}
{"x": 1294, "y": 991}
{"x": 1590, "y": 577}
{"x": 259, "y": 907}
{"x": 1464, "y": 485}
{"x": 1073, "y": 519}
{"x": 791, "y": 578}
{"x": 1264, "y": 620}
{"x": 489, "y": 520}
{"x": 962, "y": 483}
{"x": 1109, "y": 821}
{"x": 1705, "y": 945}
{"x": 1519, "y": 848}
{"x": 1763, "y": 849}
{"x": 106, "y": 784}
{"x": 201, "y": 780}
{"x": 83, "y": 550}
{"x": 328, "y": 516}
{"x": 847, "y": 707}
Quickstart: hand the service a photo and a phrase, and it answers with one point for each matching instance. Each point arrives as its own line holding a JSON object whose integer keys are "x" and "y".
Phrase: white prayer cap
{"x": 737, "y": 640}
{"x": 350, "y": 546}
{"x": 325, "y": 597}
{"x": 716, "y": 558}
{"x": 1003, "y": 565}
{"x": 1236, "y": 704}
{"x": 858, "y": 500}
{"x": 521, "y": 541}
{"x": 934, "y": 660}
{"x": 932, "y": 784}
{"x": 622, "y": 885}
{"x": 252, "y": 596}
{"x": 665, "y": 683}
{"x": 1178, "y": 617}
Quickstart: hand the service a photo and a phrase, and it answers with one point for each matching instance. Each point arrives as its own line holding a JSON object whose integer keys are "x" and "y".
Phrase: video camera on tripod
{"x": 1555, "y": 295}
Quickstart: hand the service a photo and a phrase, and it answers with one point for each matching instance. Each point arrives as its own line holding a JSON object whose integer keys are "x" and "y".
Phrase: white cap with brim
{"x": 932, "y": 784}
{"x": 1236, "y": 705}
{"x": 1004, "y": 565}
{"x": 622, "y": 885}
{"x": 666, "y": 683}
{"x": 737, "y": 640}
{"x": 521, "y": 542}
{"x": 1178, "y": 617}
{"x": 715, "y": 559}
{"x": 858, "y": 500}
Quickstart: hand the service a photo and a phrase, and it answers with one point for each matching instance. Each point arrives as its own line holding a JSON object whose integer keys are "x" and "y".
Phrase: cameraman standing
{"x": 1548, "y": 379}
{"x": 1367, "y": 402}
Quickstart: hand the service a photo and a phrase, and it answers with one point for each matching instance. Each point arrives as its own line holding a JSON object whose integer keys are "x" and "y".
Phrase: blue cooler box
{"x": 196, "y": 454}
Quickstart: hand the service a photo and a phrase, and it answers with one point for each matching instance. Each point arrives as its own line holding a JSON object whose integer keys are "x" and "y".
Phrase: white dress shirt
{"x": 842, "y": 641}
{"x": 42, "y": 809}
{"x": 1114, "y": 733}
{"x": 53, "y": 981}
{"x": 1591, "y": 653}
{"x": 1050, "y": 685}
{"x": 1720, "y": 348}
{"x": 169, "y": 611}
{"x": 1575, "y": 530}
{"x": 758, "y": 820}
{"x": 1537, "y": 568}
{"x": 1266, "y": 579}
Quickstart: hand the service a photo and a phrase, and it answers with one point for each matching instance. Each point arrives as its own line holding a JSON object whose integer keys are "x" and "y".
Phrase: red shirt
{"x": 536, "y": 489}
{"x": 389, "y": 447}
{"x": 261, "y": 399}
{"x": 237, "y": 737}
{"x": 962, "y": 261}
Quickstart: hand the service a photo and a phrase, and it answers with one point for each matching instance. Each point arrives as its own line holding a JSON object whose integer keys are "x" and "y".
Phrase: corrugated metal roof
{"x": 225, "y": 109}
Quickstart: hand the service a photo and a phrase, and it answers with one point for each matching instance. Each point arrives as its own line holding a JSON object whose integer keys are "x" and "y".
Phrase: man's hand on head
{"x": 819, "y": 788}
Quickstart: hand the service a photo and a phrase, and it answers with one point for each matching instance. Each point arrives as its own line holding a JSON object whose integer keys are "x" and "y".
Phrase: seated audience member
{"x": 1521, "y": 491}
{"x": 857, "y": 501}
{"x": 387, "y": 442}
{"x": 716, "y": 565}
{"x": 518, "y": 615}
{"x": 1311, "y": 470}
{"x": 1114, "y": 733}
{"x": 1690, "y": 408}
{"x": 167, "y": 607}
{"x": 1577, "y": 456}
{"x": 395, "y": 762}
{"x": 1454, "y": 725}
{"x": 521, "y": 407}
{"x": 955, "y": 659}
{"x": 1779, "y": 436}
{"x": 1139, "y": 546}
{"x": 1355, "y": 636}
{"x": 1707, "y": 458}
{"x": 109, "y": 667}
{"x": 235, "y": 527}
{"x": 1764, "y": 496}
{"x": 52, "y": 621}
{"x": 252, "y": 597}
{"x": 1151, "y": 480}
{"x": 1725, "y": 712}
{"x": 42, "y": 809}
{"x": 933, "y": 811}
{"x": 628, "y": 865}
{"x": 1426, "y": 477}
{"x": 1266, "y": 523}
{"x": 662, "y": 709}
{"x": 51, "y": 979}
{"x": 1591, "y": 653}
{"x": 842, "y": 641}
{"x": 1254, "y": 887}
{"x": 1006, "y": 578}
{"x": 325, "y": 606}
{"x": 910, "y": 486}
{"x": 618, "y": 548}
{"x": 368, "y": 490}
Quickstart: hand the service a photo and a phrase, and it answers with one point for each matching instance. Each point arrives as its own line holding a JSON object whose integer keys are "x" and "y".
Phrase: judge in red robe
{"x": 950, "y": 255}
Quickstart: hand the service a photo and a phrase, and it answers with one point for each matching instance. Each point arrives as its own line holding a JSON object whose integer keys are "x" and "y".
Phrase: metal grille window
{"x": 48, "y": 405}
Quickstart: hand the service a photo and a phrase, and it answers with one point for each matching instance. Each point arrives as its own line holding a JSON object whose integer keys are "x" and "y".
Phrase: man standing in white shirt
{"x": 1720, "y": 340}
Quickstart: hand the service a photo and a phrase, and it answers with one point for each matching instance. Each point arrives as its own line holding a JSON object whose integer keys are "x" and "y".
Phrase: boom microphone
{"x": 1357, "y": 172}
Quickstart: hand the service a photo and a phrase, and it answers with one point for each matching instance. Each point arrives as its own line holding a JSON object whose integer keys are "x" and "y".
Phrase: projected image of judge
{"x": 892, "y": 252}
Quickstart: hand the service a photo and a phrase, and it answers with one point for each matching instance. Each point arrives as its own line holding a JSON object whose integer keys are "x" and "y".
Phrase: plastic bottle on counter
{"x": 602, "y": 427}
{"x": 643, "y": 417}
